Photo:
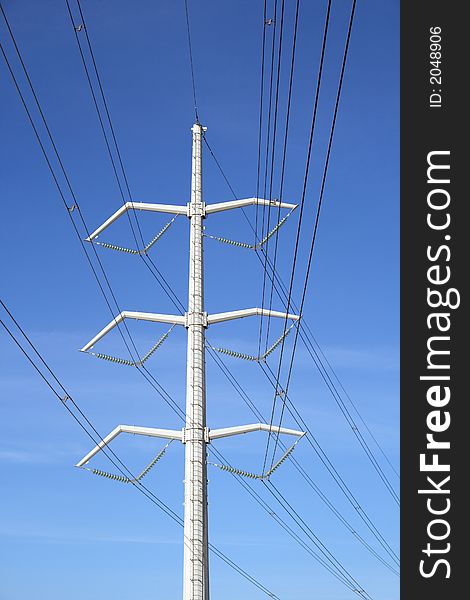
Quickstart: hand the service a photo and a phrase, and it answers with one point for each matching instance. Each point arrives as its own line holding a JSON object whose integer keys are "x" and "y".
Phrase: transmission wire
{"x": 302, "y": 203}
{"x": 284, "y": 152}
{"x": 193, "y": 79}
{"x": 377, "y": 467}
{"x": 260, "y": 129}
{"x": 268, "y": 141}
{"x": 321, "y": 454}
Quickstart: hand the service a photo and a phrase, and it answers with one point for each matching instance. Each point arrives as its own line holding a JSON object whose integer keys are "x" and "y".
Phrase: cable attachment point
{"x": 143, "y": 250}
{"x": 140, "y": 476}
{"x": 132, "y": 363}
{"x": 262, "y": 242}
{"x": 258, "y": 476}
{"x": 259, "y": 358}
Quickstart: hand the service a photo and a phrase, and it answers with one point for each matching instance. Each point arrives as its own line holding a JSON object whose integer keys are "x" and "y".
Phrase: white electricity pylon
{"x": 195, "y": 435}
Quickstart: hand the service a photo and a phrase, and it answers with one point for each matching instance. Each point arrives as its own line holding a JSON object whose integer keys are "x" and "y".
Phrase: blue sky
{"x": 66, "y": 532}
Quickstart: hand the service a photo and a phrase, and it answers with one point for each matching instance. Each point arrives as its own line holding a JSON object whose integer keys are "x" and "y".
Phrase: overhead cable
{"x": 301, "y": 211}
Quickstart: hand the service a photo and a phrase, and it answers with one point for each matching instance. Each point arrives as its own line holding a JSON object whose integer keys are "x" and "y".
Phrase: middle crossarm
{"x": 139, "y": 316}
{"x": 168, "y": 434}
{"x": 219, "y": 207}
{"x": 249, "y": 312}
{"x": 163, "y": 208}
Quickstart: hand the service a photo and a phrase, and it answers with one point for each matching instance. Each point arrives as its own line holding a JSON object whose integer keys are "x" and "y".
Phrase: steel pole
{"x": 196, "y": 560}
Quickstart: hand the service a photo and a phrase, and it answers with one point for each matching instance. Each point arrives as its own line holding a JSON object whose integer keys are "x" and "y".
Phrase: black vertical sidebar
{"x": 435, "y": 257}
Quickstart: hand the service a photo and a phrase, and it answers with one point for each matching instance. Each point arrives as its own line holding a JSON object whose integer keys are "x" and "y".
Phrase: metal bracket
{"x": 196, "y": 210}
{"x": 194, "y": 318}
{"x": 206, "y": 435}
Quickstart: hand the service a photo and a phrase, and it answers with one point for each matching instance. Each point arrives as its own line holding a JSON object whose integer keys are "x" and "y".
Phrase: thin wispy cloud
{"x": 59, "y": 537}
{"x": 20, "y": 456}
{"x": 42, "y": 456}
{"x": 71, "y": 537}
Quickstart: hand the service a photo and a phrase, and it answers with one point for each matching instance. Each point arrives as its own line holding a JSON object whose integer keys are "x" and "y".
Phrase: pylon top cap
{"x": 197, "y": 126}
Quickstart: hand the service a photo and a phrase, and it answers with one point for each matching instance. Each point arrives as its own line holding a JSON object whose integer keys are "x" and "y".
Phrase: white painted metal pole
{"x": 196, "y": 560}
{"x": 195, "y": 434}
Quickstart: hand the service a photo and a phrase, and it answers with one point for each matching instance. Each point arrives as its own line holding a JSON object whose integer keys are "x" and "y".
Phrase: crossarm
{"x": 219, "y": 207}
{"x": 249, "y": 312}
{"x": 163, "y": 208}
{"x": 126, "y": 314}
{"x": 169, "y": 434}
{"x": 228, "y": 431}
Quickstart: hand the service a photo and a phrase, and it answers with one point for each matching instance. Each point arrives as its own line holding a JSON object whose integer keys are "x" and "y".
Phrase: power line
{"x": 327, "y": 561}
{"x": 268, "y": 142}
{"x": 95, "y": 102}
{"x": 147, "y": 260}
{"x": 347, "y": 415}
{"x": 283, "y": 164}
{"x": 299, "y": 226}
{"x": 355, "y": 586}
{"x": 320, "y": 452}
{"x": 193, "y": 79}
{"x": 356, "y": 410}
{"x": 260, "y": 130}
{"x": 299, "y": 420}
{"x": 251, "y": 405}
{"x": 358, "y": 434}
{"x": 273, "y": 148}
{"x": 376, "y": 465}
